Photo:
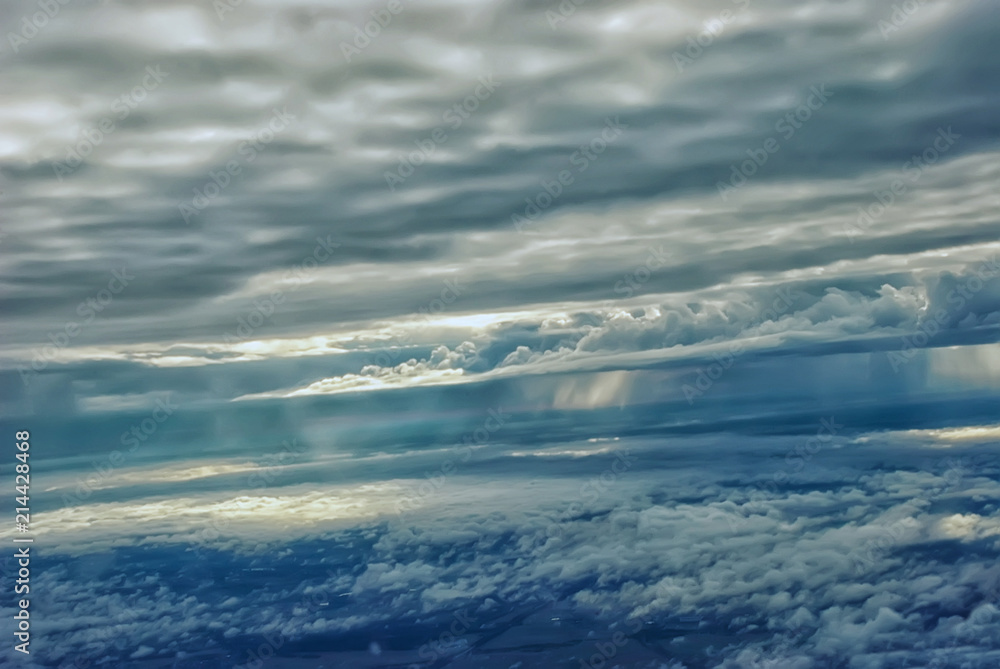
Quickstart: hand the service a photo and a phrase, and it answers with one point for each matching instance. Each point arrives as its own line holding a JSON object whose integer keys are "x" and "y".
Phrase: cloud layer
{"x": 326, "y": 317}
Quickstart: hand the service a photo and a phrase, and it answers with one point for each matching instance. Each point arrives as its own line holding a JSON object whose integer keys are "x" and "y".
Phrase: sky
{"x": 340, "y": 325}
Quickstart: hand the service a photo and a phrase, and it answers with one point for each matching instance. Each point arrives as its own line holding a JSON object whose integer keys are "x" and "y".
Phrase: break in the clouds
{"x": 356, "y": 298}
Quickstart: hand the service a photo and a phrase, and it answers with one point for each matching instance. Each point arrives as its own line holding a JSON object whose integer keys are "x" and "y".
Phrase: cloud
{"x": 836, "y": 577}
{"x": 851, "y": 271}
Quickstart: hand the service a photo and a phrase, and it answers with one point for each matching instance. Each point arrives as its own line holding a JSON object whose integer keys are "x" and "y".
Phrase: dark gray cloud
{"x": 695, "y": 229}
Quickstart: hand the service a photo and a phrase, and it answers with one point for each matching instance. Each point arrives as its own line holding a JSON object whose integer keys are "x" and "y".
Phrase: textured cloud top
{"x": 362, "y": 293}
